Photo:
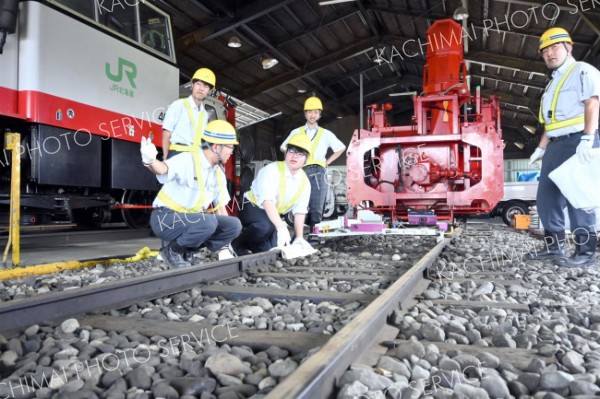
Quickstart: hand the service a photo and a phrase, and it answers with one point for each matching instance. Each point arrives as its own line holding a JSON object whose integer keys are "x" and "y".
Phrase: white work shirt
{"x": 180, "y": 183}
{"x": 582, "y": 83}
{"x": 266, "y": 187}
{"x": 328, "y": 140}
{"x": 177, "y": 121}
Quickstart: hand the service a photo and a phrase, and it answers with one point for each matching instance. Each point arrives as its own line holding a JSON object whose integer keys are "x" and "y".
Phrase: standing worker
{"x": 192, "y": 181}
{"x": 569, "y": 112}
{"x": 280, "y": 187}
{"x": 321, "y": 141}
{"x": 186, "y": 118}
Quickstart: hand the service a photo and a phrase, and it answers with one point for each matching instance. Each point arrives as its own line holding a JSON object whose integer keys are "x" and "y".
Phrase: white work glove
{"x": 303, "y": 244}
{"x": 584, "y": 149}
{"x": 283, "y": 236}
{"x": 148, "y": 150}
{"x": 536, "y": 157}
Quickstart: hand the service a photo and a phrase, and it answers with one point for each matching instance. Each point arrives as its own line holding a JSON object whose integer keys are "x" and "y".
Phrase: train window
{"x": 120, "y": 18}
{"x": 155, "y": 30}
{"x": 85, "y": 7}
{"x": 136, "y": 20}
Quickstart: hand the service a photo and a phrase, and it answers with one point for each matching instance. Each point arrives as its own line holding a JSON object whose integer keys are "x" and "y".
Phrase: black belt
{"x": 314, "y": 165}
{"x": 564, "y": 137}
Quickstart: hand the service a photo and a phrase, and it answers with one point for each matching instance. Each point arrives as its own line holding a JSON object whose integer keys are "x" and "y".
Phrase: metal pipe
{"x": 361, "y": 105}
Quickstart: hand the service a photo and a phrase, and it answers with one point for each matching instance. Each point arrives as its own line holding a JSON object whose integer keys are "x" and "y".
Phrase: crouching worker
{"x": 280, "y": 187}
{"x": 192, "y": 181}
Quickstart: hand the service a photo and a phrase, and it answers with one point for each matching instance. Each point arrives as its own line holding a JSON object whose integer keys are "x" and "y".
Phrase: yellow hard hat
{"x": 552, "y": 36}
{"x": 220, "y": 132}
{"x": 313, "y": 103}
{"x": 301, "y": 141}
{"x": 205, "y": 75}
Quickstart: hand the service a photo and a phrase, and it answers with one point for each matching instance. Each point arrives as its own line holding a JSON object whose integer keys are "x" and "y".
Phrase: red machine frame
{"x": 448, "y": 161}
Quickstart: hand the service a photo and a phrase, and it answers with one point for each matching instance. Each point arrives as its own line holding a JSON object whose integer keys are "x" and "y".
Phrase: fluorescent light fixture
{"x": 460, "y": 14}
{"x": 234, "y": 42}
{"x": 404, "y": 93}
{"x": 301, "y": 90}
{"x": 519, "y": 145}
{"x": 330, "y": 2}
{"x": 268, "y": 62}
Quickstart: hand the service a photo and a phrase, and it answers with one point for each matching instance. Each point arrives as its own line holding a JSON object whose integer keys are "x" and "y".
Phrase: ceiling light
{"x": 519, "y": 145}
{"x": 234, "y": 42}
{"x": 301, "y": 91}
{"x": 460, "y": 14}
{"x": 329, "y": 2}
{"x": 529, "y": 128}
{"x": 404, "y": 93}
{"x": 268, "y": 62}
{"x": 339, "y": 116}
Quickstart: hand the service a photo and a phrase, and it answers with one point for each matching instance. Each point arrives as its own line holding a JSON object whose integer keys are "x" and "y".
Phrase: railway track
{"x": 375, "y": 307}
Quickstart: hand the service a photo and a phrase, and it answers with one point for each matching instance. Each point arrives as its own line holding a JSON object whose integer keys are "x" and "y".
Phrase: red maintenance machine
{"x": 447, "y": 162}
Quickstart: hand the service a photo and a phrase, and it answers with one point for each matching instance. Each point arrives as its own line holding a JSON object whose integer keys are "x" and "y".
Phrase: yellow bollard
{"x": 12, "y": 142}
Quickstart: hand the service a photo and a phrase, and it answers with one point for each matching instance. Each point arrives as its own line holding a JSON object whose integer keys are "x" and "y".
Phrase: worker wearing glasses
{"x": 279, "y": 188}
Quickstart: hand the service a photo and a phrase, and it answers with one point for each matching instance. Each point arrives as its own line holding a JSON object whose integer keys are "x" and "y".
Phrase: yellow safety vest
{"x": 311, "y": 159}
{"x": 172, "y": 204}
{"x": 554, "y": 124}
{"x": 198, "y": 126}
{"x": 283, "y": 208}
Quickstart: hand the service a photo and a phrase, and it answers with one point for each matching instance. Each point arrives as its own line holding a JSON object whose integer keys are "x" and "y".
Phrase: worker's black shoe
{"x": 239, "y": 249}
{"x": 585, "y": 251}
{"x": 546, "y": 253}
{"x": 188, "y": 256}
{"x": 174, "y": 254}
{"x": 584, "y": 259}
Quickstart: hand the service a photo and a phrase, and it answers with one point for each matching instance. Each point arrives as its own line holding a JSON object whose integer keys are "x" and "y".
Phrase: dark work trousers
{"x": 259, "y": 234}
{"x": 550, "y": 201}
{"x": 195, "y": 230}
{"x": 317, "y": 175}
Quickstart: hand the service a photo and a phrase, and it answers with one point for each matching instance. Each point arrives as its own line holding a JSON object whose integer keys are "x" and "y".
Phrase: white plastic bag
{"x": 579, "y": 182}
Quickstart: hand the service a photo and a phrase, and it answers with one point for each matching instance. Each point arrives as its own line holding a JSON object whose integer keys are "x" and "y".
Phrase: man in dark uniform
{"x": 569, "y": 112}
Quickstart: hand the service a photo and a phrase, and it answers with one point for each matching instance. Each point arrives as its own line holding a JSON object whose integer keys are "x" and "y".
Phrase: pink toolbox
{"x": 370, "y": 227}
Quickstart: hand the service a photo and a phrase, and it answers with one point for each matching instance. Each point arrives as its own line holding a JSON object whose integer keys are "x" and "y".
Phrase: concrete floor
{"x": 55, "y": 247}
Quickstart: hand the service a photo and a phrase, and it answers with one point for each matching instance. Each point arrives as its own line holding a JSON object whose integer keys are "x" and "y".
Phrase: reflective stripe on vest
{"x": 554, "y": 124}
{"x": 198, "y": 131}
{"x": 281, "y": 208}
{"x": 311, "y": 159}
{"x": 172, "y": 204}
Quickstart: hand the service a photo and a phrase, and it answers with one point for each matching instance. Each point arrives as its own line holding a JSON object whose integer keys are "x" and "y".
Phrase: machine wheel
{"x": 136, "y": 218}
{"x": 91, "y": 217}
{"x": 289, "y": 219}
{"x": 513, "y": 208}
{"x": 246, "y": 178}
{"x": 329, "y": 208}
{"x": 246, "y": 147}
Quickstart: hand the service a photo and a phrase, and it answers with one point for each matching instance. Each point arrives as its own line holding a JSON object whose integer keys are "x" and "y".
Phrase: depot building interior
{"x": 273, "y": 54}
{"x": 270, "y": 55}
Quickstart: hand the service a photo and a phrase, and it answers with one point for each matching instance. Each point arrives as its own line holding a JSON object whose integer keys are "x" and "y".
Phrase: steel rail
{"x": 18, "y": 314}
{"x": 316, "y": 377}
